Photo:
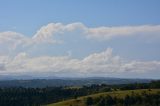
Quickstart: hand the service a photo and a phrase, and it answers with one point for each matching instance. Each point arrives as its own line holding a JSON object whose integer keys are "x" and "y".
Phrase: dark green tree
{"x": 89, "y": 101}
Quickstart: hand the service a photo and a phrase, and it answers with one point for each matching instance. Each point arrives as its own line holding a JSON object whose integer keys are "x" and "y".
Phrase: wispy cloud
{"x": 106, "y": 33}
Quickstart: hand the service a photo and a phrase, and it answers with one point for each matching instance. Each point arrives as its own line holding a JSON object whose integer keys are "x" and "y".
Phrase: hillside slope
{"x": 120, "y": 94}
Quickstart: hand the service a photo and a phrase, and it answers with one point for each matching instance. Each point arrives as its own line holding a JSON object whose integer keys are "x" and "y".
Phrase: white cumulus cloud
{"x": 99, "y": 33}
{"x": 103, "y": 63}
{"x": 47, "y": 33}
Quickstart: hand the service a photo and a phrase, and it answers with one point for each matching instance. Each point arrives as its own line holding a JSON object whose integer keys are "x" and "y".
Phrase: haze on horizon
{"x": 84, "y": 38}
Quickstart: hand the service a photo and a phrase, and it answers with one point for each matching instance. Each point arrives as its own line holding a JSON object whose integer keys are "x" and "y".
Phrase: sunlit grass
{"x": 81, "y": 100}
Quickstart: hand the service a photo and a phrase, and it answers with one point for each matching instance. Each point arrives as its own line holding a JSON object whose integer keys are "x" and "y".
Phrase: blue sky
{"x": 129, "y": 28}
{"x": 30, "y": 15}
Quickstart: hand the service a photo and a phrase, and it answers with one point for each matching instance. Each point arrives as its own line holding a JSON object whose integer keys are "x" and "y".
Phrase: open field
{"x": 120, "y": 94}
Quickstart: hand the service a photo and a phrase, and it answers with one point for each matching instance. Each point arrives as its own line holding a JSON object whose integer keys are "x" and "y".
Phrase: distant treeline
{"x": 19, "y": 96}
{"x": 41, "y": 83}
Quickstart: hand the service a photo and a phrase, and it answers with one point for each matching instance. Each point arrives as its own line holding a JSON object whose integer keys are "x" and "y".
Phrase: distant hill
{"x": 52, "y": 82}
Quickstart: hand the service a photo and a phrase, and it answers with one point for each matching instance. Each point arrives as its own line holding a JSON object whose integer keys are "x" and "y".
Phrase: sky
{"x": 85, "y": 38}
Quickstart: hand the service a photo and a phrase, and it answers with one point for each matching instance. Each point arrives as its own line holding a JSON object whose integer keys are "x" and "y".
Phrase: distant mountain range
{"x": 28, "y": 81}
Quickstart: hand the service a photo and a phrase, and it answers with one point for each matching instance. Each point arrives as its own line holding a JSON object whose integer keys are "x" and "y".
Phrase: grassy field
{"x": 81, "y": 100}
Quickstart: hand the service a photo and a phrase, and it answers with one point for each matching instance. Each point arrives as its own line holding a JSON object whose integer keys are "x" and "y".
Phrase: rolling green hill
{"x": 119, "y": 94}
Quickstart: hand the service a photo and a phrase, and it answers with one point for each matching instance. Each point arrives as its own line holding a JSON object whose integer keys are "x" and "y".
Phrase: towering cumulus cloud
{"x": 101, "y": 33}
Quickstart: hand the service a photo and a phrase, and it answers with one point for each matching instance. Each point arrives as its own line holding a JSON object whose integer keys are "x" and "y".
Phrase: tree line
{"x": 19, "y": 96}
